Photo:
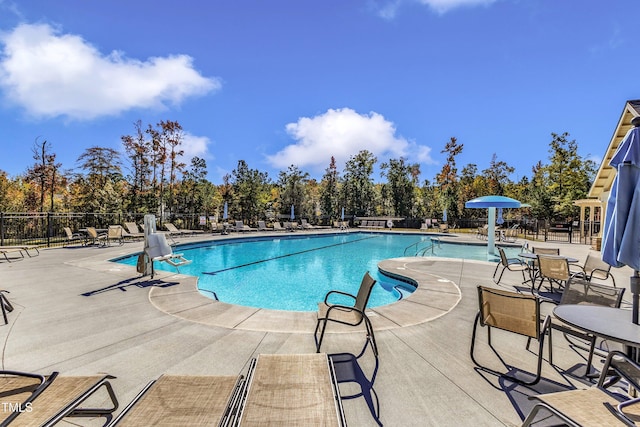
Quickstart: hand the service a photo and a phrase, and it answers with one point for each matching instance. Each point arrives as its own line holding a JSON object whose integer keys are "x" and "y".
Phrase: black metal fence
{"x": 47, "y": 228}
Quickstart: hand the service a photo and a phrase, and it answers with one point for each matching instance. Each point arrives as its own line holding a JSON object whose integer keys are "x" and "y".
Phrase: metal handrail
{"x": 420, "y": 252}
{"x": 413, "y": 244}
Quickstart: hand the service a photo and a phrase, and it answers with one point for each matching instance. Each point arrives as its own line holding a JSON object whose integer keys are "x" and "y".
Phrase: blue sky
{"x": 284, "y": 82}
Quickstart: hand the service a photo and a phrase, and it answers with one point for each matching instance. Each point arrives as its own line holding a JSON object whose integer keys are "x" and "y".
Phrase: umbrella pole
{"x": 634, "y": 287}
{"x": 491, "y": 233}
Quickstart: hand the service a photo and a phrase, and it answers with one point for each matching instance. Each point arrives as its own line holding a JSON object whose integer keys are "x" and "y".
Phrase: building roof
{"x": 606, "y": 173}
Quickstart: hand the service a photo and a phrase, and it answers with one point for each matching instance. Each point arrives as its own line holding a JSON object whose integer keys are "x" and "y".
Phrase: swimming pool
{"x": 294, "y": 271}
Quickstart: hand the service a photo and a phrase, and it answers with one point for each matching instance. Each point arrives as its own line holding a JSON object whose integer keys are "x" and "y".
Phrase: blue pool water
{"x": 295, "y": 271}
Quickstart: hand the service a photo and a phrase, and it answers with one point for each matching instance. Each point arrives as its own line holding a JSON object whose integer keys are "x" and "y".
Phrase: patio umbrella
{"x": 444, "y": 215}
{"x": 500, "y": 220}
{"x": 343, "y": 213}
{"x": 491, "y": 203}
{"x": 621, "y": 236}
{"x": 225, "y": 211}
{"x": 292, "y": 213}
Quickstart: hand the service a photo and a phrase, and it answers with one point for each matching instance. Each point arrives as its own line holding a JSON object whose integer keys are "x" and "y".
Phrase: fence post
{"x": 49, "y": 231}
{"x": 2, "y": 228}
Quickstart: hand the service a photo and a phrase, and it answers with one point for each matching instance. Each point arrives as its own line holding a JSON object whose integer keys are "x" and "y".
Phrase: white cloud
{"x": 342, "y": 133}
{"x": 193, "y": 146}
{"x": 389, "y": 8}
{"x": 50, "y": 74}
{"x": 442, "y": 6}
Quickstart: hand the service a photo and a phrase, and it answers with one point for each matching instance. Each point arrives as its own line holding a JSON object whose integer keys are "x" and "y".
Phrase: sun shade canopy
{"x": 493, "y": 202}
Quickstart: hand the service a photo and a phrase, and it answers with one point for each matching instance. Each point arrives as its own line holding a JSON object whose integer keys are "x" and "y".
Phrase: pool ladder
{"x": 422, "y": 251}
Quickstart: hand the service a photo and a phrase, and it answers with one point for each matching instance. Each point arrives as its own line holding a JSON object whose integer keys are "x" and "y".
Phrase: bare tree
{"x": 44, "y": 172}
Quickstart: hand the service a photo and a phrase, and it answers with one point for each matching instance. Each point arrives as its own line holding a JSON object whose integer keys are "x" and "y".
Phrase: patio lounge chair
{"x": 179, "y": 400}
{"x": 510, "y": 235}
{"x": 511, "y": 264}
{"x": 5, "y": 251}
{"x": 133, "y": 230}
{"x": 240, "y": 226}
{"x": 304, "y": 224}
{"x": 262, "y": 226}
{"x": 23, "y": 248}
{"x": 292, "y": 390}
{"x": 347, "y": 315}
{"x": 35, "y": 400}
{"x": 173, "y": 230}
{"x": 278, "y": 227}
{"x": 115, "y": 233}
{"x": 511, "y": 312}
{"x": 95, "y": 237}
{"x": 595, "y": 406}
{"x": 290, "y": 225}
{"x": 72, "y": 237}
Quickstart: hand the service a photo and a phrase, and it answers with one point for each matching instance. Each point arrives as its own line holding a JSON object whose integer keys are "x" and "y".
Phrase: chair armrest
{"x": 344, "y": 307}
{"x": 579, "y": 270}
{"x": 624, "y": 366}
{"x": 42, "y": 378}
{"x": 326, "y": 298}
{"x": 617, "y": 410}
{"x": 605, "y": 273}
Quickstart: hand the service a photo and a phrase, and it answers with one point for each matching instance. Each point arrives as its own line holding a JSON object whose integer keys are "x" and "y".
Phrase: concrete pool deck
{"x": 79, "y": 314}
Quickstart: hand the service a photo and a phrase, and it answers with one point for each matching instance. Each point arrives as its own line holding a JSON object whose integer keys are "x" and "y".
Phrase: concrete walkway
{"x": 80, "y": 314}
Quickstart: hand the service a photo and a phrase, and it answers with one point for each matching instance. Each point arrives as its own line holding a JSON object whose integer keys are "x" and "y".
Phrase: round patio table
{"x": 532, "y": 256}
{"x": 606, "y": 322}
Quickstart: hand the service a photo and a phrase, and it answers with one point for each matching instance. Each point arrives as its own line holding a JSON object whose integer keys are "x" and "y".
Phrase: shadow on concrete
{"x": 136, "y": 282}
{"x": 349, "y": 370}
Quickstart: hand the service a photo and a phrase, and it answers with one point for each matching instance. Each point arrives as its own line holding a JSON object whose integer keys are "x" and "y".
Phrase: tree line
{"x": 150, "y": 176}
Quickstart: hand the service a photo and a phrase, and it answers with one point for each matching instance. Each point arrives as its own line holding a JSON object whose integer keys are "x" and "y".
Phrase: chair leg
{"x": 4, "y": 311}
{"x": 370, "y": 335}
{"x": 5, "y": 305}
{"x": 315, "y": 334}
{"x": 496, "y": 271}
{"x": 592, "y": 349}
{"x": 473, "y": 339}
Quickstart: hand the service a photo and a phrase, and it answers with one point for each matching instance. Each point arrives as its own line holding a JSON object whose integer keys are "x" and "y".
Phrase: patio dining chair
{"x": 511, "y": 264}
{"x": 553, "y": 269}
{"x": 579, "y": 290}
{"x": 511, "y": 312}
{"x": 542, "y": 251}
{"x": 595, "y": 268}
{"x": 351, "y": 315}
{"x": 595, "y": 406}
